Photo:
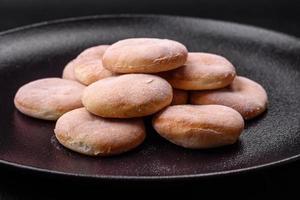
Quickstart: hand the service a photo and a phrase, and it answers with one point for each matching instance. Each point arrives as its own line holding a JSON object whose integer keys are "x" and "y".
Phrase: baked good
{"x": 244, "y": 95}
{"x": 68, "y": 72}
{"x": 88, "y": 66}
{"x": 144, "y": 55}
{"x": 92, "y": 135}
{"x": 199, "y": 127}
{"x": 202, "y": 71}
{"x": 127, "y": 96}
{"x": 48, "y": 98}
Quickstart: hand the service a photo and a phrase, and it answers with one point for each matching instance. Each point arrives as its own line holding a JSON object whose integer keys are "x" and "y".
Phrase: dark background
{"x": 279, "y": 15}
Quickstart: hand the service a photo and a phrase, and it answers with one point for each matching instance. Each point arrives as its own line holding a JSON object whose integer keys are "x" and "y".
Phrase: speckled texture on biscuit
{"x": 199, "y": 127}
{"x": 201, "y": 71}
{"x": 244, "y": 95}
{"x": 144, "y": 55}
{"x": 49, "y": 98}
{"x": 88, "y": 66}
{"x": 92, "y": 135}
{"x": 126, "y": 96}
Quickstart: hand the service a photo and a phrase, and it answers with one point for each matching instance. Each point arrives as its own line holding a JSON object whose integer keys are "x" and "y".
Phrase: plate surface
{"x": 38, "y": 51}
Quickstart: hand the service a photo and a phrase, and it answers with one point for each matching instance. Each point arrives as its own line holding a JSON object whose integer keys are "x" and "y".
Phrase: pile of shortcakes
{"x": 194, "y": 99}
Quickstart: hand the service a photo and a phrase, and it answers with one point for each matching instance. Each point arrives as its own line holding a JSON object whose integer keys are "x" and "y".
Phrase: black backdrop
{"x": 280, "y": 15}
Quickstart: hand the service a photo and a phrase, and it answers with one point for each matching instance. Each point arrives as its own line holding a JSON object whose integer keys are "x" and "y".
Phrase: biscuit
{"x": 68, "y": 72}
{"x": 88, "y": 65}
{"x": 127, "y": 96}
{"x": 244, "y": 95}
{"x": 199, "y": 126}
{"x": 92, "y": 135}
{"x": 93, "y": 52}
{"x": 202, "y": 71}
{"x": 179, "y": 97}
{"x": 144, "y": 55}
{"x": 48, "y": 98}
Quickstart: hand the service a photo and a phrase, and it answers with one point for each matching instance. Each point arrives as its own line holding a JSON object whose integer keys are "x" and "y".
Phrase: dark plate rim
{"x": 153, "y": 178}
{"x": 144, "y": 178}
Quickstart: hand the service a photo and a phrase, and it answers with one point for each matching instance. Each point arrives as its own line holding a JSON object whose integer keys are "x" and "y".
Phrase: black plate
{"x": 42, "y": 50}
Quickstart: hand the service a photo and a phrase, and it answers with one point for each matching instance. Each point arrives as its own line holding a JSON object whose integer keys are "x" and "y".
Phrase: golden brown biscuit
{"x": 202, "y": 71}
{"x": 88, "y": 65}
{"x": 244, "y": 95}
{"x": 179, "y": 97}
{"x": 92, "y": 135}
{"x": 144, "y": 55}
{"x": 199, "y": 127}
{"x": 127, "y": 96}
{"x": 68, "y": 72}
{"x": 49, "y": 98}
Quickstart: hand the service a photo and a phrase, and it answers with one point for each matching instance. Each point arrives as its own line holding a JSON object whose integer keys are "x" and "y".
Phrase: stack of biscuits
{"x": 195, "y": 99}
